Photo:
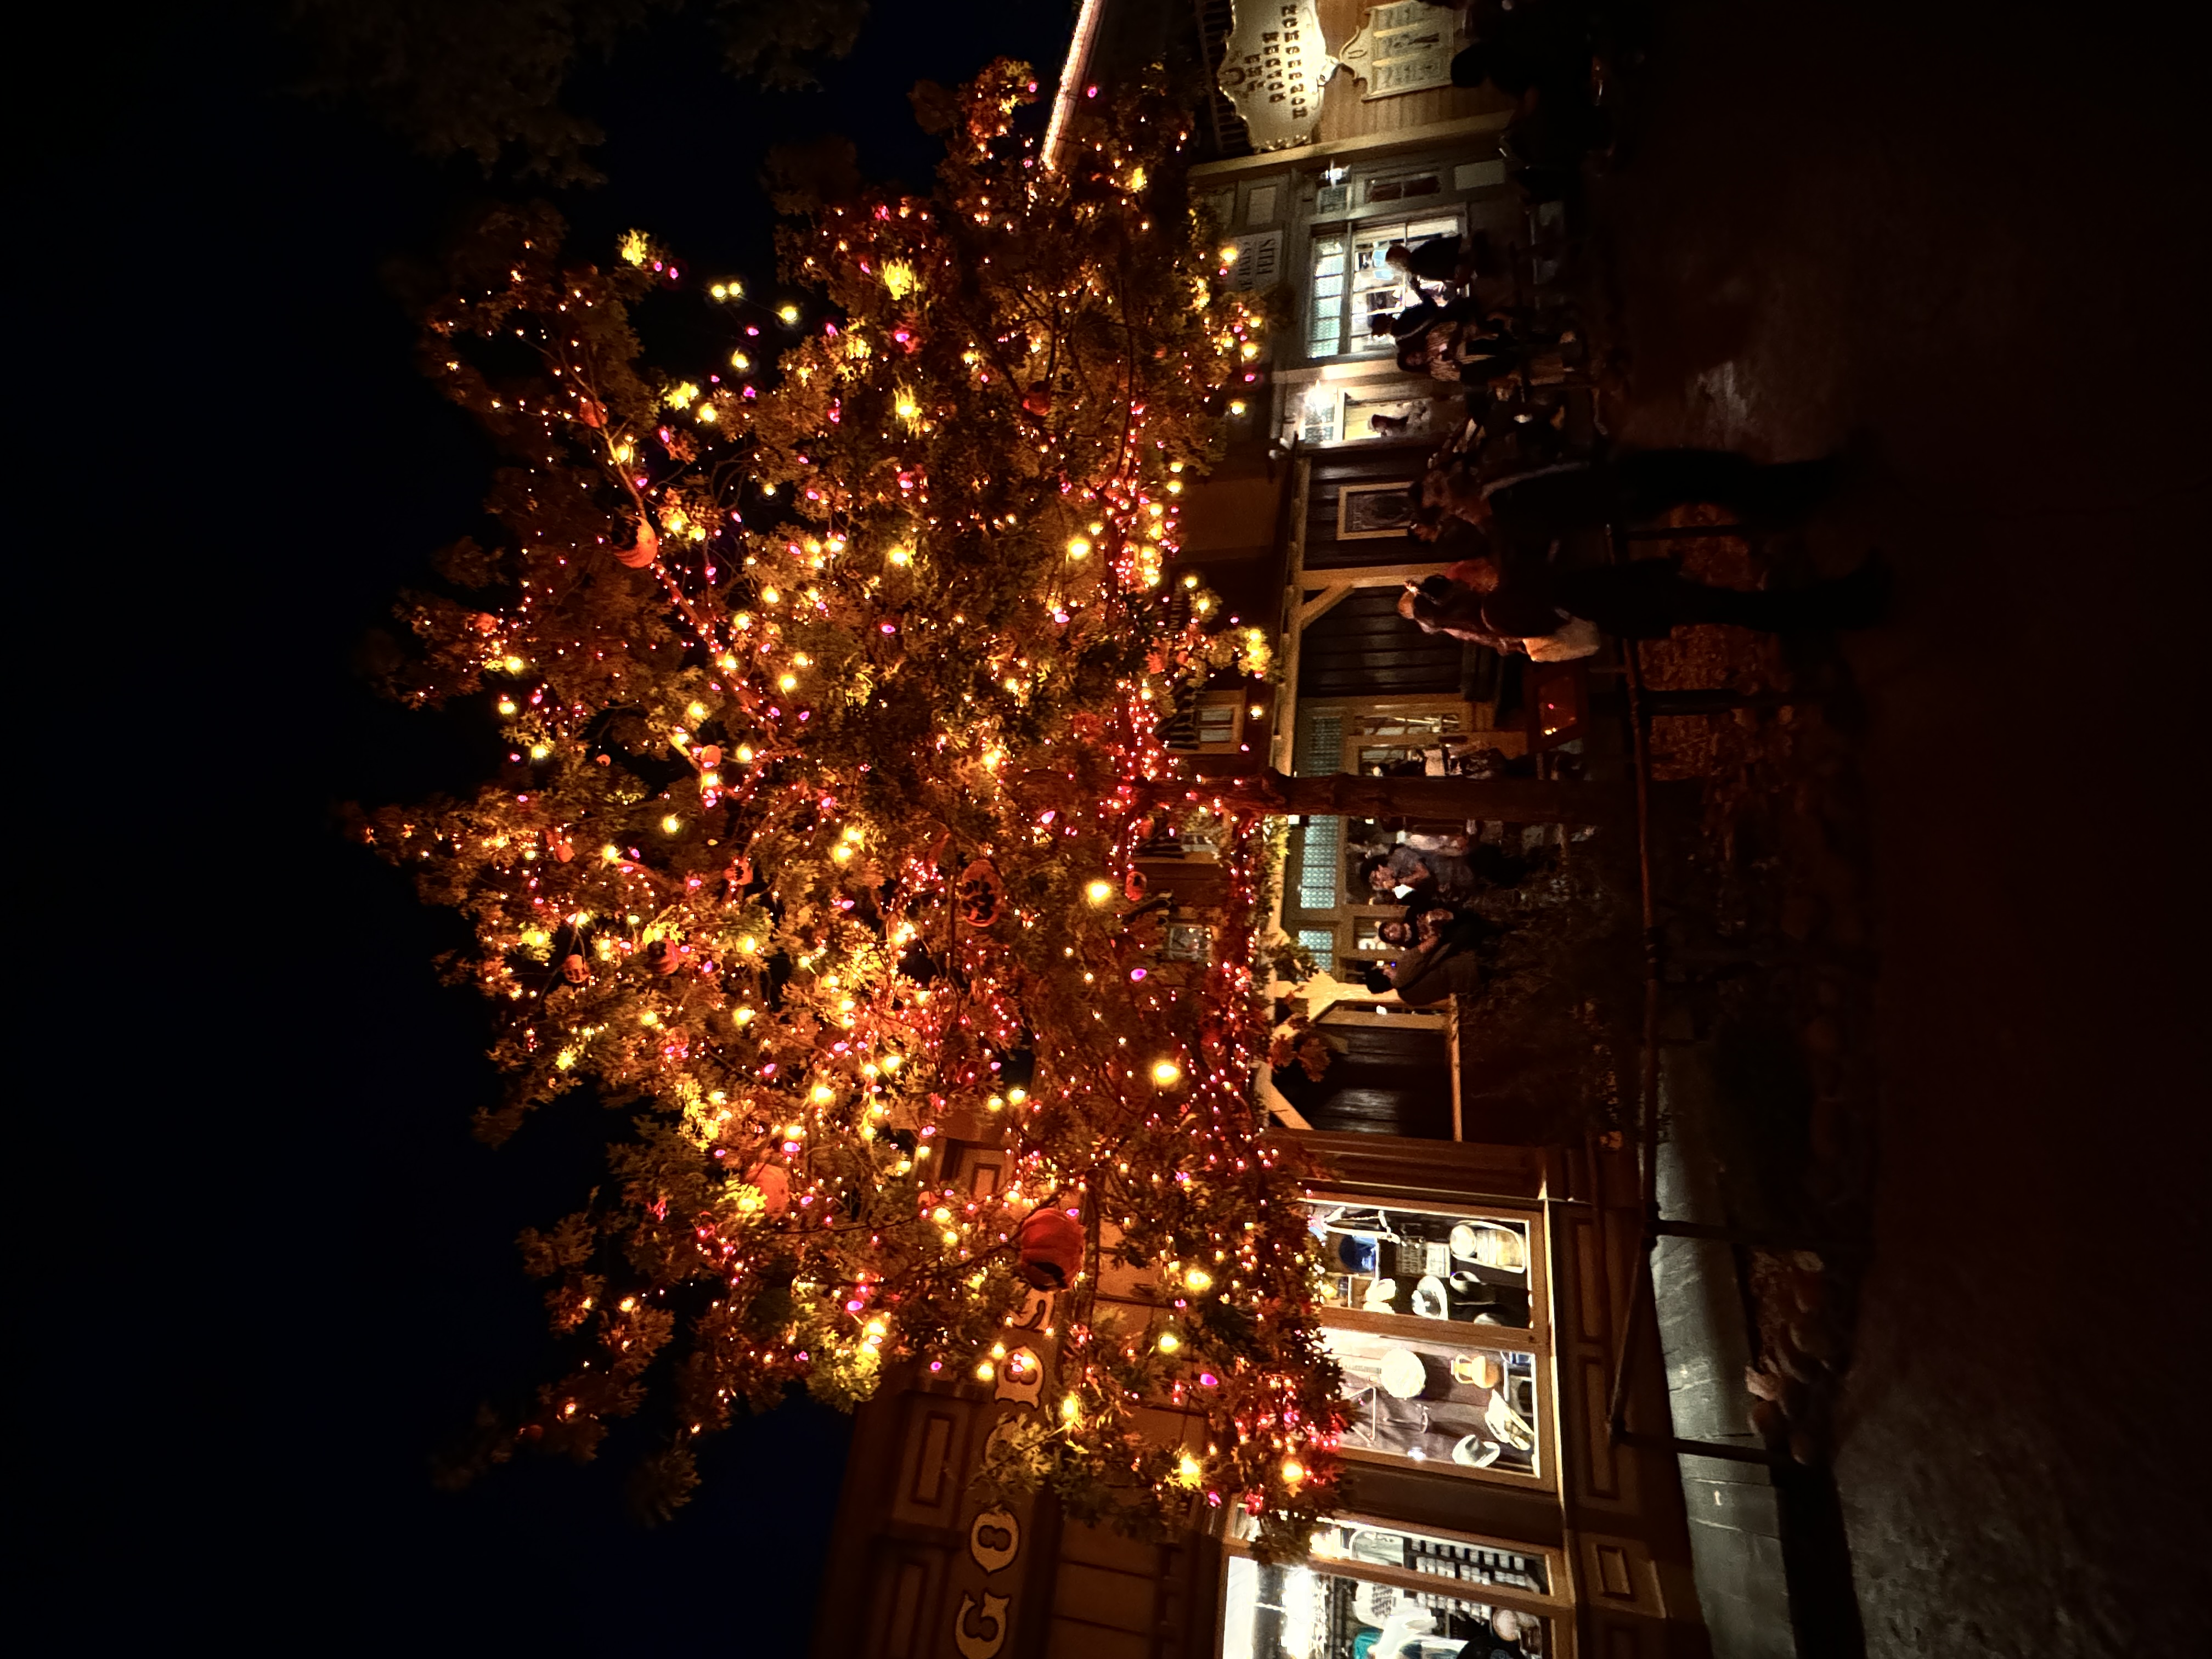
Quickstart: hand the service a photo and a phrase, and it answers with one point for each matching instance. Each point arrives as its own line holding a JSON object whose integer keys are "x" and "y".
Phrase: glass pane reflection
{"x": 1448, "y": 1402}
{"x": 1423, "y": 1263}
{"x": 1306, "y": 1612}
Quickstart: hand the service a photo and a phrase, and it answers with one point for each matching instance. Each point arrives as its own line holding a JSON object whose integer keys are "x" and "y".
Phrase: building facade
{"x": 1479, "y": 1284}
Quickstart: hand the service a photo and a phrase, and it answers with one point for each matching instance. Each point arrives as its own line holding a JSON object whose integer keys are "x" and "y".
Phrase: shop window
{"x": 1400, "y": 722}
{"x": 1438, "y": 1319}
{"x": 1381, "y": 1599}
{"x": 1350, "y": 282}
{"x": 1379, "y": 1545}
{"x": 1322, "y": 941}
{"x": 1387, "y": 731}
{"x": 1401, "y": 417}
{"x": 1396, "y": 760}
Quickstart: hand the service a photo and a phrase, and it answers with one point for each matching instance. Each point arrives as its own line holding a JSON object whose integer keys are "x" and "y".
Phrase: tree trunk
{"x": 1348, "y": 794}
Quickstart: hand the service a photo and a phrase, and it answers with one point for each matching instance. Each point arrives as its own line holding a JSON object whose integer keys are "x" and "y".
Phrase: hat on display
{"x": 1476, "y": 1452}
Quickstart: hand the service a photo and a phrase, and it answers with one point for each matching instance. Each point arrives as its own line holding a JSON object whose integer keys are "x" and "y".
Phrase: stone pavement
{"x": 1973, "y": 238}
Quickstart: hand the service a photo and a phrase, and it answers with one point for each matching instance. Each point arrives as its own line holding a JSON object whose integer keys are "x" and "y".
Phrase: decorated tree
{"x": 833, "y": 698}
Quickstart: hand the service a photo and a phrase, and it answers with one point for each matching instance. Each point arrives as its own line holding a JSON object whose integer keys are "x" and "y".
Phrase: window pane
{"x": 1444, "y": 1558}
{"x": 1451, "y": 1405}
{"x": 1320, "y": 745}
{"x": 1308, "y": 1612}
{"x": 1399, "y": 760}
{"x": 1422, "y": 1264}
{"x": 1322, "y": 941}
{"x": 1318, "y": 854}
{"x": 1390, "y": 723}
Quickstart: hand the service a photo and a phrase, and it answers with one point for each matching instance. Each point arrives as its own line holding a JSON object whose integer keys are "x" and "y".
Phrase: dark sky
{"x": 264, "y": 1268}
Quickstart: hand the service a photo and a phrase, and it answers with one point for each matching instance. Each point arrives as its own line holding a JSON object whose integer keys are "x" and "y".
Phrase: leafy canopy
{"x": 834, "y": 699}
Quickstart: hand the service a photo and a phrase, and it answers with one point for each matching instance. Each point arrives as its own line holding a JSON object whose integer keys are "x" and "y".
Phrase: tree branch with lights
{"x": 833, "y": 696}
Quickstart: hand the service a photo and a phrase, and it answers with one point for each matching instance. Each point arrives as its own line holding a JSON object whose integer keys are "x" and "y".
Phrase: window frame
{"x": 1555, "y": 1605}
{"x": 1537, "y": 1340}
{"x": 1380, "y": 229}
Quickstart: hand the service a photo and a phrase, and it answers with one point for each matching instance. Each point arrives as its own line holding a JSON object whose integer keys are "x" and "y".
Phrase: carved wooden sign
{"x": 1403, "y": 47}
{"x": 983, "y": 1624}
{"x": 1272, "y": 69}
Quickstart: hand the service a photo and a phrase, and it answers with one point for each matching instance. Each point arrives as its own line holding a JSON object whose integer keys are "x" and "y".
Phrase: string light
{"x": 857, "y": 935}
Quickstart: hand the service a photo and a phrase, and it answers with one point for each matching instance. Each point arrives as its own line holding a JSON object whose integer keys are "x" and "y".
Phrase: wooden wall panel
{"x": 1364, "y": 648}
{"x": 1101, "y": 1595}
{"x": 1071, "y": 1638}
{"x": 1362, "y": 463}
{"x": 1383, "y": 1082}
{"x": 1345, "y": 114}
{"x": 1099, "y": 1546}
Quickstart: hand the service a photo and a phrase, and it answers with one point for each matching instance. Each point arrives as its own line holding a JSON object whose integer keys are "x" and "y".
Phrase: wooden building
{"x": 1477, "y": 1291}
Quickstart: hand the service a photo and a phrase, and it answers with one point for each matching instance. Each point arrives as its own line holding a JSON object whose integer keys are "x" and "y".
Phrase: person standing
{"x": 1555, "y": 615}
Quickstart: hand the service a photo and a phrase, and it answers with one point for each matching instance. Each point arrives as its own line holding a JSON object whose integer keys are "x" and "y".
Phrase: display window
{"x": 1437, "y": 1318}
{"x": 1373, "y": 1589}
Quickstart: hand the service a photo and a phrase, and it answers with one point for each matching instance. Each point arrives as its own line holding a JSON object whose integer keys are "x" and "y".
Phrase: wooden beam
{"x": 1367, "y": 145}
{"x": 1286, "y": 695}
{"x": 1515, "y": 801}
{"x": 1321, "y": 604}
{"x": 1377, "y": 575}
{"x": 1272, "y": 1098}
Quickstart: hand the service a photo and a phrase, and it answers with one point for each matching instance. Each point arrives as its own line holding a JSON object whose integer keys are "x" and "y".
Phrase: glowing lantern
{"x": 981, "y": 892}
{"x": 1051, "y": 1242}
{"x": 773, "y": 1184}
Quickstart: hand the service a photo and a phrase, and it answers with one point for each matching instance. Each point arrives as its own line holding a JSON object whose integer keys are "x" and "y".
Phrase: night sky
{"x": 265, "y": 1269}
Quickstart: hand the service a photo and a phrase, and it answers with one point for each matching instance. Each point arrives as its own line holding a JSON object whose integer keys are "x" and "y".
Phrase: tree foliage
{"x": 834, "y": 700}
{"x": 486, "y": 77}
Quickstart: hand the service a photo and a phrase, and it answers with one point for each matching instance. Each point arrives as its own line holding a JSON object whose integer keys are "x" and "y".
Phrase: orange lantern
{"x": 1051, "y": 1242}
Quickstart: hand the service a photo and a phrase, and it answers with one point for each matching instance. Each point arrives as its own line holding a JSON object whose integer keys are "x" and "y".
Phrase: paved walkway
{"x": 1735, "y": 1522}
{"x": 1977, "y": 237}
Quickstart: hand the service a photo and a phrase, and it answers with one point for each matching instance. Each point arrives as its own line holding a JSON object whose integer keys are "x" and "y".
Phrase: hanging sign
{"x": 1404, "y": 47}
{"x": 1273, "y": 70}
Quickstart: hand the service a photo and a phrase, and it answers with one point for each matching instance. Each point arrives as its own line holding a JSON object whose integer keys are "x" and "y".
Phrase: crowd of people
{"x": 1509, "y": 487}
{"x": 1445, "y": 940}
{"x": 1505, "y": 498}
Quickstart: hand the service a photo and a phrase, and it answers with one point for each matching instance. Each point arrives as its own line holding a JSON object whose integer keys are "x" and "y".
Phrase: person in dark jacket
{"x": 1433, "y": 879}
{"x": 1440, "y": 259}
{"x": 1448, "y": 962}
{"x": 1528, "y": 511}
{"x": 1644, "y": 599}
